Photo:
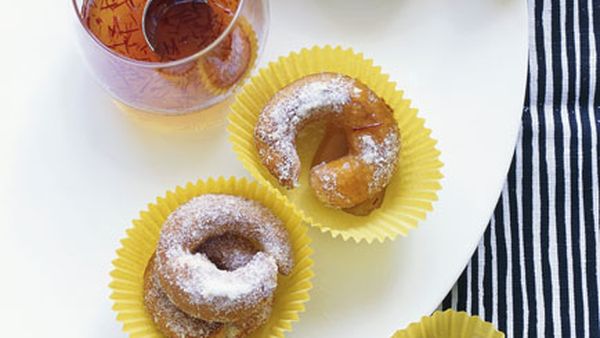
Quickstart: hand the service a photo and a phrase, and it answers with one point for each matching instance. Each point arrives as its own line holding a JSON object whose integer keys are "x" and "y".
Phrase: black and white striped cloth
{"x": 535, "y": 273}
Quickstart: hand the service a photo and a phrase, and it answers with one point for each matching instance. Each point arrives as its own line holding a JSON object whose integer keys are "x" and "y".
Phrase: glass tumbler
{"x": 169, "y": 87}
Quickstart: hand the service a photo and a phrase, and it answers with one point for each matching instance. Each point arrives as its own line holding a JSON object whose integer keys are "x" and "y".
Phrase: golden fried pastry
{"x": 248, "y": 325}
{"x": 195, "y": 284}
{"x": 333, "y": 146}
{"x": 372, "y": 137}
{"x": 174, "y": 323}
{"x": 170, "y": 320}
{"x": 228, "y": 252}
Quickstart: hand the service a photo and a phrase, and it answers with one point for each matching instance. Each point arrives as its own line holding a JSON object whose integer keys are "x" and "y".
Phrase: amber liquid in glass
{"x": 175, "y": 28}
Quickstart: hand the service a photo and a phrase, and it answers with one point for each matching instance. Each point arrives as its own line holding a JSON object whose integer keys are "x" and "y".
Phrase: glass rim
{"x": 152, "y": 64}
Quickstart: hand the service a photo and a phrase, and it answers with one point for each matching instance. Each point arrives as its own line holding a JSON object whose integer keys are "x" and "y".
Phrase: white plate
{"x": 75, "y": 170}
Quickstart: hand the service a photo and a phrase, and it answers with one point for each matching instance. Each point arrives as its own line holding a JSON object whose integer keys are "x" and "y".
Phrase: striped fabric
{"x": 535, "y": 273}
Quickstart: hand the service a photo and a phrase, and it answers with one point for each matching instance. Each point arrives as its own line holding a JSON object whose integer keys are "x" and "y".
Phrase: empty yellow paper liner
{"x": 450, "y": 324}
{"x": 141, "y": 239}
{"x": 413, "y": 189}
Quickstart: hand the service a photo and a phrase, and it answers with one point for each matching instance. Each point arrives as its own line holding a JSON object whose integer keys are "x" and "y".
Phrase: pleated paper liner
{"x": 450, "y": 324}
{"x": 141, "y": 240}
{"x": 413, "y": 189}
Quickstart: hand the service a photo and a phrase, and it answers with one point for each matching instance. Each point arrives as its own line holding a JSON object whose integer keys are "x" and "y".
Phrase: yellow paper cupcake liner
{"x": 141, "y": 239}
{"x": 209, "y": 83}
{"x": 413, "y": 189}
{"x": 450, "y": 324}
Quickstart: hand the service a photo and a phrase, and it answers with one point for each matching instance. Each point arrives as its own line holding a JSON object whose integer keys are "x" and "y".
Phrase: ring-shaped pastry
{"x": 174, "y": 323}
{"x": 195, "y": 284}
{"x": 371, "y": 131}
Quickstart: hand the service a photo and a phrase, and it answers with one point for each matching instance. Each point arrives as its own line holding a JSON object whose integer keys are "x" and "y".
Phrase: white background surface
{"x": 74, "y": 170}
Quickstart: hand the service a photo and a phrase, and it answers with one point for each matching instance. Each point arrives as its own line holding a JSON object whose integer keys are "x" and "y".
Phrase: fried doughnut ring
{"x": 371, "y": 132}
{"x": 194, "y": 284}
{"x": 333, "y": 146}
{"x": 228, "y": 252}
{"x": 174, "y": 323}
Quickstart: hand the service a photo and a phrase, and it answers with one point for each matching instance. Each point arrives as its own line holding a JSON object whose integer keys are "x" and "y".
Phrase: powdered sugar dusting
{"x": 375, "y": 137}
{"x": 248, "y": 325}
{"x": 382, "y": 155}
{"x": 292, "y": 108}
{"x": 328, "y": 179}
{"x": 228, "y": 252}
{"x": 206, "y": 281}
{"x": 176, "y": 323}
{"x": 185, "y": 271}
{"x": 168, "y": 316}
